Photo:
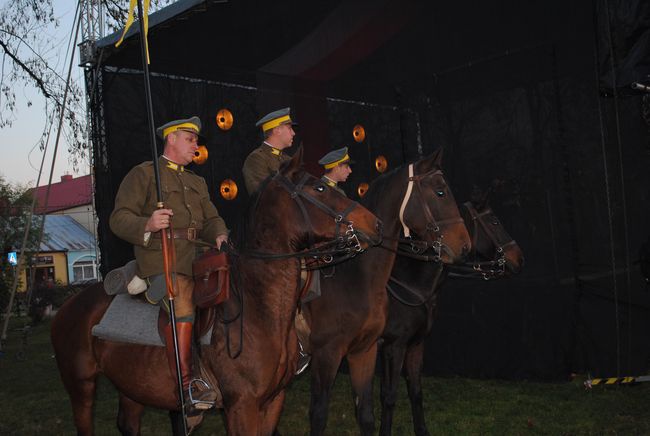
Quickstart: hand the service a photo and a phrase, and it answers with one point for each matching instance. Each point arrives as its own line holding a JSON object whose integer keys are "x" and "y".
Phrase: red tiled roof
{"x": 64, "y": 195}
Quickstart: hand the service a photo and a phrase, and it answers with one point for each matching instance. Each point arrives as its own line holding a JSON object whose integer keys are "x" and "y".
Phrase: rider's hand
{"x": 158, "y": 220}
{"x": 221, "y": 239}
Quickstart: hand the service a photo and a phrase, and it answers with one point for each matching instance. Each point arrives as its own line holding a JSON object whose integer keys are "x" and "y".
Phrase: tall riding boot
{"x": 198, "y": 395}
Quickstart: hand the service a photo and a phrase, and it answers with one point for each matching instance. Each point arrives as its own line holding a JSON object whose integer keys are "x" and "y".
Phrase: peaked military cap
{"x": 189, "y": 125}
{"x": 334, "y": 158}
{"x": 275, "y": 118}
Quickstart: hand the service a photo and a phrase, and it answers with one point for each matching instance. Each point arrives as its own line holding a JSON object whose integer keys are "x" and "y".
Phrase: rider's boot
{"x": 198, "y": 395}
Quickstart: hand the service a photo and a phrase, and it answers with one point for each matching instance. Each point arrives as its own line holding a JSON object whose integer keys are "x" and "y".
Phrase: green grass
{"x": 33, "y": 402}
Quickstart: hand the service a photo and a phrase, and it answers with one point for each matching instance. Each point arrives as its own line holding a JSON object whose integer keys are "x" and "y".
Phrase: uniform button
{"x": 186, "y": 188}
{"x": 189, "y": 207}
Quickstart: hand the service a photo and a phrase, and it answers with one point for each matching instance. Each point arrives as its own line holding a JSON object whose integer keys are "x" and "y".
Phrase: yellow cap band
{"x": 275, "y": 123}
{"x": 333, "y": 164}
{"x": 183, "y": 126}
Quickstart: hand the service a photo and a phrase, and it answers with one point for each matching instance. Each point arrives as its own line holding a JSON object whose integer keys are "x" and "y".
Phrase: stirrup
{"x": 201, "y": 403}
{"x": 303, "y": 360}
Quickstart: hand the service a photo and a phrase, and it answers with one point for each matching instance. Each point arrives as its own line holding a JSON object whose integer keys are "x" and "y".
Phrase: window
{"x": 84, "y": 270}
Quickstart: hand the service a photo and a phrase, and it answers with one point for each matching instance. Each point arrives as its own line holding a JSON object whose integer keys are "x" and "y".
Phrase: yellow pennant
{"x": 129, "y": 21}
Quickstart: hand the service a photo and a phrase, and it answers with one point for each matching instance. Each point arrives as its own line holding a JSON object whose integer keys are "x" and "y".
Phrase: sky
{"x": 20, "y": 156}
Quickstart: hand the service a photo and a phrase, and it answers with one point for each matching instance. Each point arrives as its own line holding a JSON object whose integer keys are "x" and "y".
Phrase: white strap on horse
{"x": 407, "y": 196}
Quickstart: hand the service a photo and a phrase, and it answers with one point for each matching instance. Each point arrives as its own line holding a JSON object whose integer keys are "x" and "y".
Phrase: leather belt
{"x": 188, "y": 233}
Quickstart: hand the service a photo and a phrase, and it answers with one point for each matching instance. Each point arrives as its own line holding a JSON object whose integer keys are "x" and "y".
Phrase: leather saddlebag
{"x": 211, "y": 279}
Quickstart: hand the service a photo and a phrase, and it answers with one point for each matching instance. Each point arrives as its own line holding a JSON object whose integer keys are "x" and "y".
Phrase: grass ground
{"x": 33, "y": 402}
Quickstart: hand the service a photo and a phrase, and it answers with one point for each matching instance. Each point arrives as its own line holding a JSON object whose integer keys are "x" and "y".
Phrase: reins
{"x": 341, "y": 248}
{"x": 486, "y": 270}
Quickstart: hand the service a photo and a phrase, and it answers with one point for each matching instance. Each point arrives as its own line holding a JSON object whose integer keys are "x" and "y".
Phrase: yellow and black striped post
{"x": 615, "y": 381}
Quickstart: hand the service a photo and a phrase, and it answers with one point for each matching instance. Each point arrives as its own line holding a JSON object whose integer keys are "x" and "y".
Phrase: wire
{"x": 76, "y": 24}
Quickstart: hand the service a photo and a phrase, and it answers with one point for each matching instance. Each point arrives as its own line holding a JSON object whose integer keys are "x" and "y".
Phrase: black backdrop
{"x": 521, "y": 99}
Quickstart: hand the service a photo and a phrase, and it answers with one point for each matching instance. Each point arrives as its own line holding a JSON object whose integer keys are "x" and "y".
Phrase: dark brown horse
{"x": 293, "y": 214}
{"x": 349, "y": 317}
{"x": 413, "y": 289}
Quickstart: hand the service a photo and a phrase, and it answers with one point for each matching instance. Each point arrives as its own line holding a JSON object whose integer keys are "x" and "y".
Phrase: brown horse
{"x": 294, "y": 214}
{"x": 349, "y": 317}
{"x": 410, "y": 314}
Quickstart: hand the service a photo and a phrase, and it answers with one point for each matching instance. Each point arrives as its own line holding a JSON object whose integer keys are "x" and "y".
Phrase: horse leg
{"x": 362, "y": 370}
{"x": 271, "y": 416}
{"x": 243, "y": 418}
{"x": 79, "y": 376}
{"x": 323, "y": 373}
{"x": 392, "y": 357}
{"x": 413, "y": 366}
{"x": 82, "y": 397}
{"x": 128, "y": 416}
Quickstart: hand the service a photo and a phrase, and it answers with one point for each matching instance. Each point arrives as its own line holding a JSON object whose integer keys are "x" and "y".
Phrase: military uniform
{"x": 330, "y": 161}
{"x": 186, "y": 194}
{"x": 261, "y": 163}
{"x": 332, "y": 184}
{"x": 194, "y": 217}
{"x": 266, "y": 159}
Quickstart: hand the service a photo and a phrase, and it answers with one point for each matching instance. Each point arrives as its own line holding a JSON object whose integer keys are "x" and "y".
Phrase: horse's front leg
{"x": 243, "y": 418}
{"x": 324, "y": 365}
{"x": 129, "y": 416}
{"x": 392, "y": 358}
{"x": 413, "y": 366}
{"x": 271, "y": 416}
{"x": 362, "y": 370}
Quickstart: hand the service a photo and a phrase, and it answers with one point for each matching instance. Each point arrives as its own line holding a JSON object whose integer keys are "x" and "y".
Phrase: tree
{"x": 15, "y": 205}
{"x": 30, "y": 57}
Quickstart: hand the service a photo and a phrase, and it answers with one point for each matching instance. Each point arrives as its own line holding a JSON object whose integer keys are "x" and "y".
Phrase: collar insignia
{"x": 175, "y": 166}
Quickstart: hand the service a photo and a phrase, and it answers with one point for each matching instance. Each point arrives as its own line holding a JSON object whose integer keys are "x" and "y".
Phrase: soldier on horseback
{"x": 337, "y": 168}
{"x": 138, "y": 219}
{"x": 267, "y": 158}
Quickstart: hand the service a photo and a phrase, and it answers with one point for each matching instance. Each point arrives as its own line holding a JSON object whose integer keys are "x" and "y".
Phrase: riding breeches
{"x": 183, "y": 304}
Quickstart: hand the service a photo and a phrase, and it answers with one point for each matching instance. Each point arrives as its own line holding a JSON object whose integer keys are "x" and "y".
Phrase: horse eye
{"x": 319, "y": 188}
{"x": 495, "y": 222}
{"x": 440, "y": 193}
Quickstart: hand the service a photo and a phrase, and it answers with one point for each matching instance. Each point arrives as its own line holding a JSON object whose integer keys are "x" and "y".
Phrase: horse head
{"x": 491, "y": 243}
{"x": 429, "y": 211}
{"x": 313, "y": 214}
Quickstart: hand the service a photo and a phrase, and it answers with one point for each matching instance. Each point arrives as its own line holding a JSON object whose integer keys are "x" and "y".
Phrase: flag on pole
{"x": 129, "y": 21}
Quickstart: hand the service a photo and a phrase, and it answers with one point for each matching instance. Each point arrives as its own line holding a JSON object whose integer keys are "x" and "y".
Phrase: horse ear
{"x": 484, "y": 201}
{"x": 432, "y": 161}
{"x": 295, "y": 163}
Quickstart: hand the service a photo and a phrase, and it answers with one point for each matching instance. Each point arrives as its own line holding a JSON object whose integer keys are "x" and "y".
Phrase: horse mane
{"x": 242, "y": 233}
{"x": 378, "y": 187}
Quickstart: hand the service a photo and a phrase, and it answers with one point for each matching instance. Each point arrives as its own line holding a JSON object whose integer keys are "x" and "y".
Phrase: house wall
{"x": 59, "y": 263}
{"x": 82, "y": 214}
{"x": 74, "y": 256}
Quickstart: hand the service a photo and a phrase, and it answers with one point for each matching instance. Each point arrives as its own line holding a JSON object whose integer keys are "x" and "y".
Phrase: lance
{"x": 167, "y": 243}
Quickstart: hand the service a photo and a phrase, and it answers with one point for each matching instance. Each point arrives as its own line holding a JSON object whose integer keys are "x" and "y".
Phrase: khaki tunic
{"x": 333, "y": 185}
{"x": 185, "y": 193}
{"x": 260, "y": 164}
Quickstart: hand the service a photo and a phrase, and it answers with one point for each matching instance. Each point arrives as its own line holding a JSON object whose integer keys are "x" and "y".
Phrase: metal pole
{"x": 167, "y": 245}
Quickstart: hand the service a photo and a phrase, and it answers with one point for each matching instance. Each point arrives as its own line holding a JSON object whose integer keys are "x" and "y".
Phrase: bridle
{"x": 345, "y": 244}
{"x": 415, "y": 248}
{"x": 342, "y": 247}
{"x": 486, "y": 270}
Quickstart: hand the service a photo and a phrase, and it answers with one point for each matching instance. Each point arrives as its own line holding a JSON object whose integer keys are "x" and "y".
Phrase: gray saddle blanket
{"x": 134, "y": 321}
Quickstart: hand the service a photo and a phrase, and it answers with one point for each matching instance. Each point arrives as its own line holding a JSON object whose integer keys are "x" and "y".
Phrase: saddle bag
{"x": 211, "y": 279}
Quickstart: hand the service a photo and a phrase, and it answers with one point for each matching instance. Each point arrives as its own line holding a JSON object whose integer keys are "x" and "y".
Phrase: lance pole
{"x": 167, "y": 244}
